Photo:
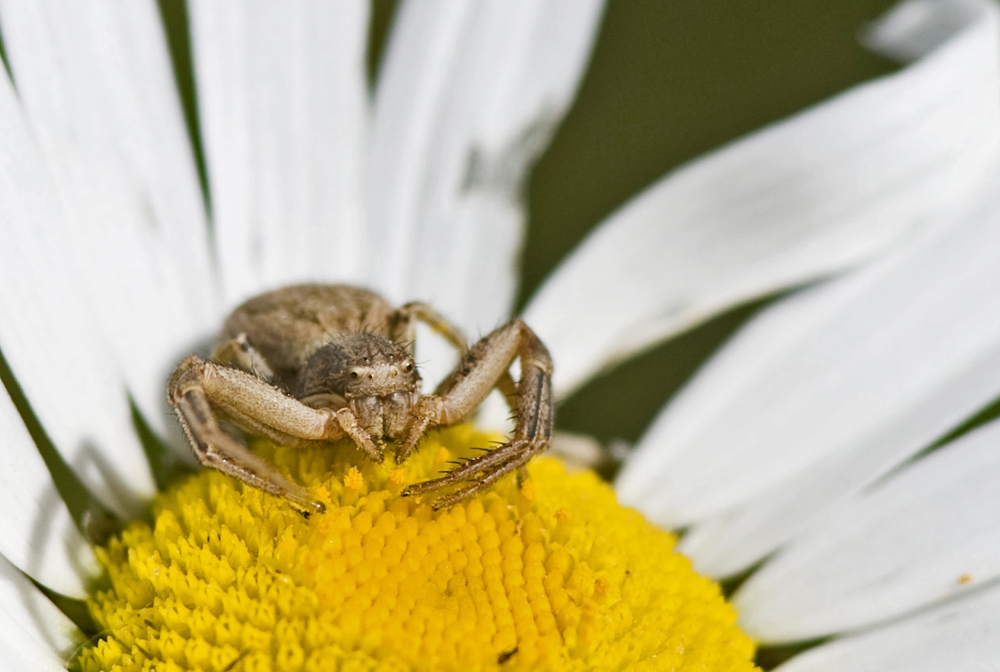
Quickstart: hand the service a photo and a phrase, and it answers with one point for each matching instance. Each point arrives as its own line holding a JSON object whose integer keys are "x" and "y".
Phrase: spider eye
{"x": 354, "y": 374}
{"x": 409, "y": 367}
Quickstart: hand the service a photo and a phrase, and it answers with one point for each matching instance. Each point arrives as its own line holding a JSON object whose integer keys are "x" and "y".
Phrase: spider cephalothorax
{"x": 368, "y": 373}
{"x": 310, "y": 364}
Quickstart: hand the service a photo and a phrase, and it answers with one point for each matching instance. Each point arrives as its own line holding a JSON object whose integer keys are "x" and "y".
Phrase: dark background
{"x": 669, "y": 81}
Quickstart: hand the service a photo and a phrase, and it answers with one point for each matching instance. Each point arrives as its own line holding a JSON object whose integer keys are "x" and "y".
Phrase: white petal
{"x": 469, "y": 96}
{"x": 33, "y": 633}
{"x": 806, "y": 197}
{"x": 962, "y": 636}
{"x": 98, "y": 92}
{"x": 56, "y": 351}
{"x": 36, "y": 531}
{"x": 924, "y": 535}
{"x": 730, "y": 542}
{"x": 880, "y": 364}
{"x": 282, "y": 100}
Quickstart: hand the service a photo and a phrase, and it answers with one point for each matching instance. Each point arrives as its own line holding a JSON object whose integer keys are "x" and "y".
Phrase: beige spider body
{"x": 310, "y": 364}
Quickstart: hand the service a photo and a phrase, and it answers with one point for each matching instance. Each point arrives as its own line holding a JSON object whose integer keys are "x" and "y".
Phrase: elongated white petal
{"x": 806, "y": 197}
{"x": 807, "y": 411}
{"x": 926, "y": 534}
{"x": 50, "y": 338}
{"x": 33, "y": 633}
{"x": 98, "y": 90}
{"x": 469, "y": 95}
{"x": 36, "y": 532}
{"x": 960, "y": 635}
{"x": 730, "y": 542}
{"x": 814, "y": 376}
{"x": 282, "y": 100}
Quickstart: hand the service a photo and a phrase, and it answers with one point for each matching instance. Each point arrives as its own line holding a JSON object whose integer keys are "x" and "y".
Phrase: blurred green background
{"x": 668, "y": 81}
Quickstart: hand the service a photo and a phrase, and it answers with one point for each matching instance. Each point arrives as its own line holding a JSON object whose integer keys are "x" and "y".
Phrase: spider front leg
{"x": 484, "y": 367}
{"x": 238, "y": 353}
{"x": 201, "y": 391}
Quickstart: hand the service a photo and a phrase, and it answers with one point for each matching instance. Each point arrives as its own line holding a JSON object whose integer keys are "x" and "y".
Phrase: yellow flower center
{"x": 551, "y": 575}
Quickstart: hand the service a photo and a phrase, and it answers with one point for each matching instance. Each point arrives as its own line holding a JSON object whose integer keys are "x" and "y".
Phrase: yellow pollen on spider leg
{"x": 551, "y": 575}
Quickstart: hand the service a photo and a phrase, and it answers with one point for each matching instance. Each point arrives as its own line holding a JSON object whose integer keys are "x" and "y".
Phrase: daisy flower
{"x": 821, "y": 456}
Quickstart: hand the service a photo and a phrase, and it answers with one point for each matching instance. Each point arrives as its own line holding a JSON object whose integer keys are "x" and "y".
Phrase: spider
{"x": 309, "y": 364}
